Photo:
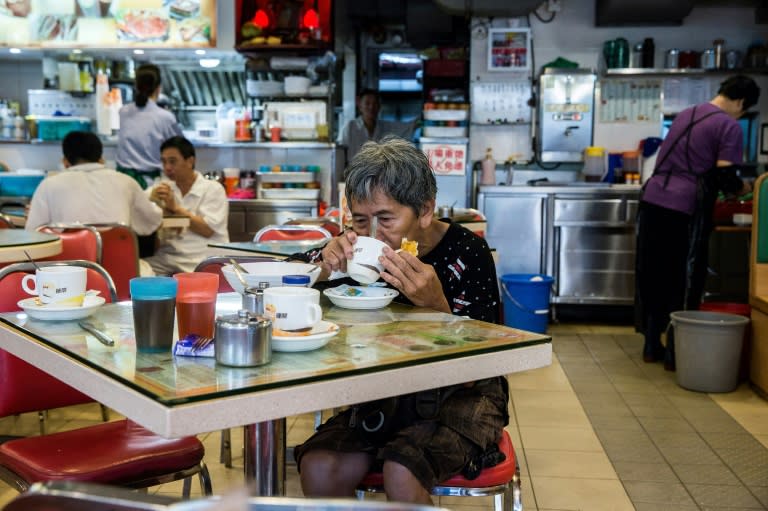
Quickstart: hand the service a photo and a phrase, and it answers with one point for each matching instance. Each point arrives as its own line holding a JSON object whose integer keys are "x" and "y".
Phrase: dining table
{"x": 277, "y": 248}
{"x": 19, "y": 245}
{"x": 373, "y": 354}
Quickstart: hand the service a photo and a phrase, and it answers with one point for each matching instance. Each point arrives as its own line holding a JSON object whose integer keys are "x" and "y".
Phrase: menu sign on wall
{"x": 107, "y": 23}
{"x": 446, "y": 159}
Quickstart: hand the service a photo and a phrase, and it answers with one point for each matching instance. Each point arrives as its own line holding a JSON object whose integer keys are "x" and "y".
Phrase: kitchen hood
{"x": 485, "y": 8}
{"x": 609, "y": 13}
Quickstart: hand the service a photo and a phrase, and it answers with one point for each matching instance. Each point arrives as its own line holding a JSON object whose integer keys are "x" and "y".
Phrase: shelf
{"x": 636, "y": 71}
{"x": 516, "y": 123}
{"x": 280, "y": 49}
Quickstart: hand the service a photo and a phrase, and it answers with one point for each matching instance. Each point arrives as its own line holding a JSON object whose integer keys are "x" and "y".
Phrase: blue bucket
{"x": 526, "y": 301}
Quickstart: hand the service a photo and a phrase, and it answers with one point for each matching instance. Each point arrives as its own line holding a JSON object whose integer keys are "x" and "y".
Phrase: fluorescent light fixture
{"x": 199, "y": 52}
{"x": 138, "y": 52}
{"x": 77, "y": 51}
{"x": 15, "y": 51}
{"x": 209, "y": 63}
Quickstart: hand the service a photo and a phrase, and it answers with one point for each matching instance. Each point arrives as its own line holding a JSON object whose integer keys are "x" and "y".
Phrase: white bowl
{"x": 742, "y": 219}
{"x": 269, "y": 272}
{"x": 359, "y": 297}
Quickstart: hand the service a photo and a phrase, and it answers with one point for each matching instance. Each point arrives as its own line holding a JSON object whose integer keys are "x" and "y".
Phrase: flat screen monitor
{"x": 400, "y": 72}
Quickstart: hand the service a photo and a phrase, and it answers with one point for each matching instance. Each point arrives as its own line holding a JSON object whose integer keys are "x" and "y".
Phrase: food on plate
{"x": 142, "y": 25}
{"x": 412, "y": 247}
{"x": 54, "y": 27}
{"x": 192, "y": 28}
{"x": 184, "y": 8}
{"x": 276, "y": 332}
{"x": 19, "y": 8}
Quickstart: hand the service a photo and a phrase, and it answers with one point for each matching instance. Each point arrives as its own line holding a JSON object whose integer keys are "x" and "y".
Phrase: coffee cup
{"x": 57, "y": 285}
{"x": 365, "y": 258}
{"x": 292, "y": 308}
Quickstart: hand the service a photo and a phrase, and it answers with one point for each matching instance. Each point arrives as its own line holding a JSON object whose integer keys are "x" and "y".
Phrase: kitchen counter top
{"x": 578, "y": 187}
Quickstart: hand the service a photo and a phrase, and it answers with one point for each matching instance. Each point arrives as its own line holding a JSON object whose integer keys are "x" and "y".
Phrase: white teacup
{"x": 59, "y": 285}
{"x": 366, "y": 251}
{"x": 292, "y": 308}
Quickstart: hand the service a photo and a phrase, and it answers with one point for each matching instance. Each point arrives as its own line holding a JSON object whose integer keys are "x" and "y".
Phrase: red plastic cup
{"x": 275, "y": 133}
{"x": 196, "y": 303}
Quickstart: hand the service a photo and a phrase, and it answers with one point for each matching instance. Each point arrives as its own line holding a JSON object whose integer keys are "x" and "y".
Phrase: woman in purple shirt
{"x": 697, "y": 158}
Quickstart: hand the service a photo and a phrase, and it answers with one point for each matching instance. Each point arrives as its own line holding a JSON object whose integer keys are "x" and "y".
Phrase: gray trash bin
{"x": 708, "y": 349}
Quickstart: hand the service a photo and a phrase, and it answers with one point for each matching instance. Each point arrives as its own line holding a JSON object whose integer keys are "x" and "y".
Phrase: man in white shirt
{"x": 368, "y": 126}
{"x": 186, "y": 192}
{"x": 87, "y": 192}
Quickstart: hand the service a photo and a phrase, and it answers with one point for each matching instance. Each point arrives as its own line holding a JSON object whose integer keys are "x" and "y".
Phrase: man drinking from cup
{"x": 428, "y": 436}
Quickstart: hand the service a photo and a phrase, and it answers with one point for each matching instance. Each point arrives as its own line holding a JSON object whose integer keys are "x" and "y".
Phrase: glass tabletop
{"x": 18, "y": 237}
{"x": 276, "y": 247}
{"x": 368, "y": 341}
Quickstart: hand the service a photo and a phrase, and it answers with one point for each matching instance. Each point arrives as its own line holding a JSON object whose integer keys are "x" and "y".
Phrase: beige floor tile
{"x": 763, "y": 439}
{"x": 581, "y": 465}
{"x": 551, "y": 377}
{"x": 585, "y": 494}
{"x": 548, "y": 415}
{"x": 554, "y": 438}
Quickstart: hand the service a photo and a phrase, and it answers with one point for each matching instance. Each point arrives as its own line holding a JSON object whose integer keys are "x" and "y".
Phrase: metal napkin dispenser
{"x": 297, "y": 120}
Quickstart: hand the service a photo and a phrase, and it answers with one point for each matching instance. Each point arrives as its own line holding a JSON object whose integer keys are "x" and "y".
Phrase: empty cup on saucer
{"x": 292, "y": 308}
{"x": 366, "y": 252}
{"x": 62, "y": 286}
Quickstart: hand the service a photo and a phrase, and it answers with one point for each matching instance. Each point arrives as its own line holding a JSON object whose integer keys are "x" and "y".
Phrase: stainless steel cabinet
{"x": 246, "y": 217}
{"x": 517, "y": 230}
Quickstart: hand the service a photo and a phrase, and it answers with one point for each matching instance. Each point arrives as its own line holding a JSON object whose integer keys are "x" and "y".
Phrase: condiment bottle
{"x": 296, "y": 280}
{"x": 719, "y": 53}
{"x": 253, "y": 298}
{"x": 649, "y": 51}
{"x": 488, "y": 176}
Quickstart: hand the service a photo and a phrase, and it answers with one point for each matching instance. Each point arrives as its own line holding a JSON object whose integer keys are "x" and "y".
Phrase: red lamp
{"x": 261, "y": 19}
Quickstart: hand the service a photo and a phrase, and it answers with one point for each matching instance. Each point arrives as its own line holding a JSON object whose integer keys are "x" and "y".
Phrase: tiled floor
{"x": 596, "y": 430}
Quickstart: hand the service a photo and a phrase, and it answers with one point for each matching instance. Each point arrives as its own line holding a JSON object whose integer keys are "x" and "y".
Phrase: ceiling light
{"x": 15, "y": 51}
{"x": 209, "y": 63}
{"x": 138, "y": 52}
{"x": 77, "y": 51}
{"x": 200, "y": 52}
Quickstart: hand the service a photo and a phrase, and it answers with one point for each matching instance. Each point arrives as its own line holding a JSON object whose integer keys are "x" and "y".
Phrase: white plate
{"x": 317, "y": 338}
{"x": 360, "y": 297}
{"x": 50, "y": 313}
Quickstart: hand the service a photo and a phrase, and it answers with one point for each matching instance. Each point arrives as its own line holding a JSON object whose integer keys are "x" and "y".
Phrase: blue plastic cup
{"x": 154, "y": 305}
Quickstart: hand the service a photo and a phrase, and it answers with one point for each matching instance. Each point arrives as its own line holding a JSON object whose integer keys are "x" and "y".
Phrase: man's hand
{"x": 416, "y": 280}
{"x": 336, "y": 253}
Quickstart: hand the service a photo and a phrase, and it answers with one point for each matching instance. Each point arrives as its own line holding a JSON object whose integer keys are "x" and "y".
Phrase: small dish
{"x": 316, "y": 338}
{"x": 53, "y": 313}
{"x": 359, "y": 297}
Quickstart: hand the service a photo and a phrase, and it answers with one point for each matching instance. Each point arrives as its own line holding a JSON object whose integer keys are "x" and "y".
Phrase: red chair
{"x": 6, "y": 222}
{"x": 291, "y": 233}
{"x": 501, "y": 481}
{"x": 78, "y": 241}
{"x": 118, "y": 453}
{"x": 214, "y": 264}
{"x": 329, "y": 224}
{"x": 119, "y": 255}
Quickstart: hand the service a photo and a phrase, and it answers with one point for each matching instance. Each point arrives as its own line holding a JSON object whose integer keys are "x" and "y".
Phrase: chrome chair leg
{"x": 225, "y": 451}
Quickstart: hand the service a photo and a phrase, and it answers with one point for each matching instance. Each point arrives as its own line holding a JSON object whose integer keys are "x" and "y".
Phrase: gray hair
{"x": 394, "y": 167}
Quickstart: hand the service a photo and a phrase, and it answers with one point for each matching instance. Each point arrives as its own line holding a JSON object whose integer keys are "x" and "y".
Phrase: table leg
{"x": 264, "y": 457}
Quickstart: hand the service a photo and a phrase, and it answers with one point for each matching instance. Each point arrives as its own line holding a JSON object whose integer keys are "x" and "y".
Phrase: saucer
{"x": 360, "y": 297}
{"x": 53, "y": 313}
{"x": 316, "y": 338}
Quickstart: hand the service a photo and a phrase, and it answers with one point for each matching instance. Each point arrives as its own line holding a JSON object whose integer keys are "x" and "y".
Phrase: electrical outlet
{"x": 553, "y": 5}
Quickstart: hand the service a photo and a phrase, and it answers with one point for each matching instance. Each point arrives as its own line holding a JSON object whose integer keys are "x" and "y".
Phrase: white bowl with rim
{"x": 270, "y": 272}
{"x": 361, "y": 297}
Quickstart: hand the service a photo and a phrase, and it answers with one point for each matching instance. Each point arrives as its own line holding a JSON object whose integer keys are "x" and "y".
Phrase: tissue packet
{"x": 184, "y": 347}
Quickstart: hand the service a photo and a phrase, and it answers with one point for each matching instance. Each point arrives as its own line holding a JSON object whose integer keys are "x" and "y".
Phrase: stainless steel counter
{"x": 582, "y": 234}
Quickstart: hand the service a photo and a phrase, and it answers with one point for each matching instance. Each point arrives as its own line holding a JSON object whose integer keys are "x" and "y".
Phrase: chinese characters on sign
{"x": 447, "y": 159}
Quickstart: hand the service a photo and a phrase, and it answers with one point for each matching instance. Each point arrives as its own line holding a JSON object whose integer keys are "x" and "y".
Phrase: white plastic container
{"x": 296, "y": 85}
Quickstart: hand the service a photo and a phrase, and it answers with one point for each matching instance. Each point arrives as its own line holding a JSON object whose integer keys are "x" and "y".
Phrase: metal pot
{"x": 243, "y": 340}
{"x": 708, "y": 59}
{"x": 672, "y": 59}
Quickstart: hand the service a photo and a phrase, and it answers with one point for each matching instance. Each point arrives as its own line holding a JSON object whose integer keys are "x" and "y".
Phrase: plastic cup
{"x": 154, "y": 301}
{"x": 275, "y": 134}
{"x": 196, "y": 303}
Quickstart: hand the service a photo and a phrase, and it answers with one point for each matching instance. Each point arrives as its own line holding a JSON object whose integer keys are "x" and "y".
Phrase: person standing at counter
{"x": 89, "y": 193}
{"x": 368, "y": 126}
{"x": 434, "y": 434}
{"x": 143, "y": 127}
{"x": 187, "y": 193}
{"x": 698, "y": 157}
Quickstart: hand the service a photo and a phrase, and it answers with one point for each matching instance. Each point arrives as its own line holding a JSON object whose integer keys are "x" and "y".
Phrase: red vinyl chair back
{"x": 291, "y": 233}
{"x": 24, "y": 387}
{"x": 5, "y": 222}
{"x": 119, "y": 255}
{"x": 78, "y": 242}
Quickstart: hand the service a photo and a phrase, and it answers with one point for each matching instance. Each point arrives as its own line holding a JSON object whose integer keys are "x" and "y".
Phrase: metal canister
{"x": 243, "y": 340}
{"x": 253, "y": 298}
{"x": 708, "y": 59}
{"x": 672, "y": 58}
{"x": 732, "y": 59}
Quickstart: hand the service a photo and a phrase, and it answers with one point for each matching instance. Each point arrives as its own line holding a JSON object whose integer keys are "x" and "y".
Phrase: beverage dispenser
{"x": 566, "y": 108}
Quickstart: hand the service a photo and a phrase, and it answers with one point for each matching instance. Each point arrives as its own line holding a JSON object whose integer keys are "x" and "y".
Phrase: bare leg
{"x": 333, "y": 474}
{"x": 400, "y": 485}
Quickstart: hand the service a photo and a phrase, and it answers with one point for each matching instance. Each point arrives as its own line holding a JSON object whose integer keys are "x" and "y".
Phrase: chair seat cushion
{"x": 492, "y": 476}
{"x": 112, "y": 453}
